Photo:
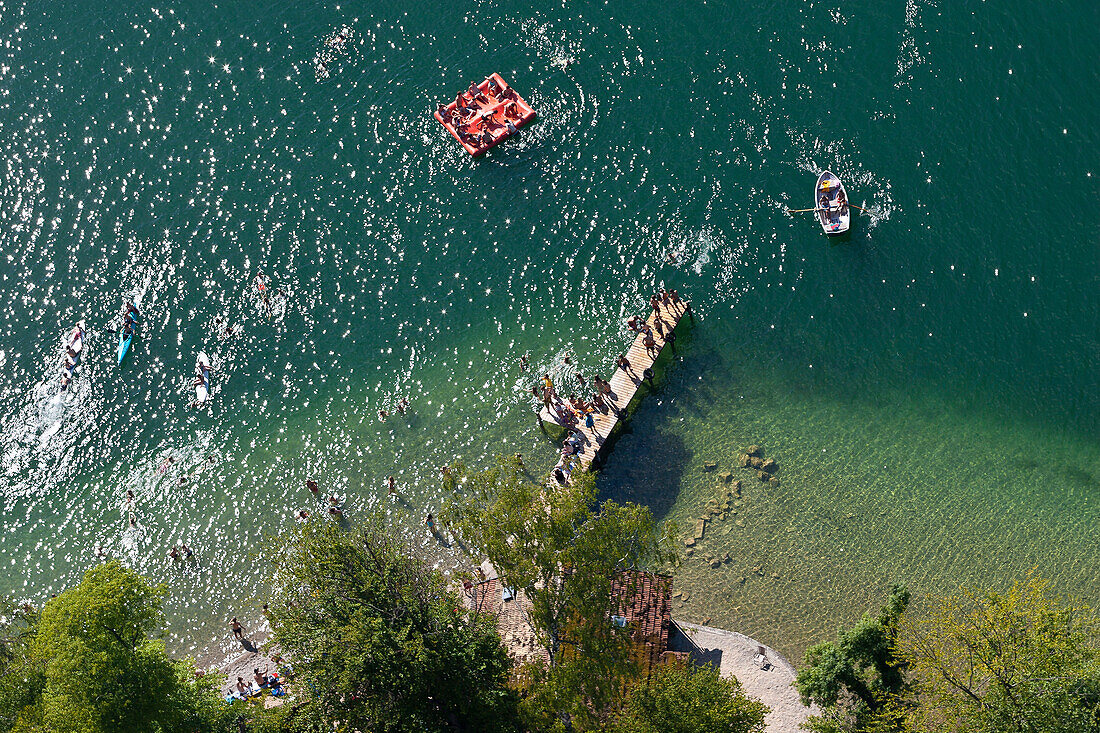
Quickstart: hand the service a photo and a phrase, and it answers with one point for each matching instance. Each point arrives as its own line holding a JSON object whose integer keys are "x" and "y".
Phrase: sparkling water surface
{"x": 928, "y": 383}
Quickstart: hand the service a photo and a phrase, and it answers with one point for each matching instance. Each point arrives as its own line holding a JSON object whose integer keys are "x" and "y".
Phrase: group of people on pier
{"x": 572, "y": 412}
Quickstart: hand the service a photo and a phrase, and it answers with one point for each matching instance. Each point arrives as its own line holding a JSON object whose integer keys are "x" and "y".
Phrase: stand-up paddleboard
{"x": 124, "y": 340}
{"x": 70, "y": 357}
{"x": 202, "y": 378}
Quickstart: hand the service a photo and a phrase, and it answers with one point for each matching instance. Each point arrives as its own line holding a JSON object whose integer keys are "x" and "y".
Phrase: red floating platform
{"x": 494, "y": 114}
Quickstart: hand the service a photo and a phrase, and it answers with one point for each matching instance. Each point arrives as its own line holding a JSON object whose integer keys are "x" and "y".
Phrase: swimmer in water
{"x": 382, "y": 415}
{"x": 392, "y": 486}
{"x": 312, "y": 486}
{"x": 174, "y": 553}
{"x": 165, "y": 464}
{"x": 303, "y": 514}
{"x": 187, "y": 552}
{"x": 129, "y": 496}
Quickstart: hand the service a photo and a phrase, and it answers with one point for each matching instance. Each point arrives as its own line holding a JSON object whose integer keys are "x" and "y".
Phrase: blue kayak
{"x": 125, "y": 340}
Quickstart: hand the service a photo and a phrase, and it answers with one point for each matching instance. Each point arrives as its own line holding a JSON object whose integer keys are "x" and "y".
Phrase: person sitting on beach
{"x": 261, "y": 679}
{"x": 242, "y": 689}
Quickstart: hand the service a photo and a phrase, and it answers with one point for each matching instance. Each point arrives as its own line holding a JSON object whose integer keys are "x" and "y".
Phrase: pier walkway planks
{"x": 625, "y": 382}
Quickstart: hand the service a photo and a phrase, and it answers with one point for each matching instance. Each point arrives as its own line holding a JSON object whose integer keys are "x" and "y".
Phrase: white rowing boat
{"x": 831, "y": 204}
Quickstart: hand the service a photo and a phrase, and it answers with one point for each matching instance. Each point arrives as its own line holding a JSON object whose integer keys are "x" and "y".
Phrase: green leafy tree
{"x": 857, "y": 681}
{"x": 91, "y": 665}
{"x": 379, "y": 641}
{"x": 1017, "y": 662}
{"x": 565, "y": 552}
{"x": 689, "y": 699}
{"x": 21, "y": 677}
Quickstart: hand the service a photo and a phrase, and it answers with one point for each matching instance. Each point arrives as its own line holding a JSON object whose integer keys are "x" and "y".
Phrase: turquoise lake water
{"x": 928, "y": 383}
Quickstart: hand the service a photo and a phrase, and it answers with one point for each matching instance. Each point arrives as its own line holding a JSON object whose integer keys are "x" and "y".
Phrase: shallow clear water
{"x": 932, "y": 375}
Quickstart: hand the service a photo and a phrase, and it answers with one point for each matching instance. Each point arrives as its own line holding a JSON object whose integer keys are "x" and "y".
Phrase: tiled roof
{"x": 644, "y": 600}
{"x": 512, "y": 619}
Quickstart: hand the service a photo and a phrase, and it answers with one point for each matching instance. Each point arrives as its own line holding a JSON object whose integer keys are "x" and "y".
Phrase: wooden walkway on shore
{"x": 624, "y": 382}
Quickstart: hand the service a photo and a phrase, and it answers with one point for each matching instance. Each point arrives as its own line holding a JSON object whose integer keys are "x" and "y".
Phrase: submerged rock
{"x": 709, "y": 465}
{"x": 689, "y": 542}
{"x": 743, "y": 460}
{"x": 725, "y": 477}
{"x": 715, "y": 563}
{"x": 769, "y": 465}
{"x": 754, "y": 450}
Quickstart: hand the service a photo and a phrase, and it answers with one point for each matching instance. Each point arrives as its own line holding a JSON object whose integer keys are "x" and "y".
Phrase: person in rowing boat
{"x": 841, "y": 201}
{"x": 823, "y": 203}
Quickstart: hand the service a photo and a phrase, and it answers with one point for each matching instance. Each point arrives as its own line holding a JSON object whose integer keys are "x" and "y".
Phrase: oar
{"x": 799, "y": 211}
{"x": 858, "y": 207}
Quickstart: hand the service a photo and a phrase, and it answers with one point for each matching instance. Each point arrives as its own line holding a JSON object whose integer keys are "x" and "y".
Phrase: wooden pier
{"x": 624, "y": 382}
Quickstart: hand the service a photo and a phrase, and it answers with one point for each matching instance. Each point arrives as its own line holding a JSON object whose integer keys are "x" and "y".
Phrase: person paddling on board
{"x": 261, "y": 288}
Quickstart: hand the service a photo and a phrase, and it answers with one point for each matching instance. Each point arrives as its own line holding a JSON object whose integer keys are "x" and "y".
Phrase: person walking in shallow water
{"x": 238, "y": 630}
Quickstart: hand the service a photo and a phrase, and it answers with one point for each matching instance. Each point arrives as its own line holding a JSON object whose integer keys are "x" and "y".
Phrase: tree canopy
{"x": 379, "y": 641}
{"x": 88, "y": 663}
{"x": 688, "y": 699}
{"x": 565, "y": 551}
{"x": 856, "y": 680}
{"x": 1021, "y": 661}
